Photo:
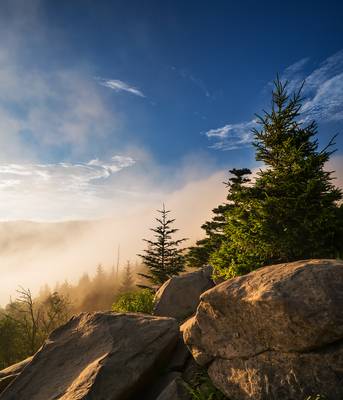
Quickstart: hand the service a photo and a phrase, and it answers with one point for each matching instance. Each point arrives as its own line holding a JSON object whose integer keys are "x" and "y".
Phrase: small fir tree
{"x": 163, "y": 258}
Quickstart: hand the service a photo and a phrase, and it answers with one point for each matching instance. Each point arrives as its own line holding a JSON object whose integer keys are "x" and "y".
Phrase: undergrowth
{"x": 141, "y": 301}
{"x": 202, "y": 388}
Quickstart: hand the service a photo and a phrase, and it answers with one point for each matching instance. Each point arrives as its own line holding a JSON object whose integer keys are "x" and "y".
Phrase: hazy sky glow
{"x": 109, "y": 108}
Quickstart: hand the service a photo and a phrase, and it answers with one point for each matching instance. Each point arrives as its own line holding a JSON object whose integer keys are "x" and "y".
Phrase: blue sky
{"x": 132, "y": 100}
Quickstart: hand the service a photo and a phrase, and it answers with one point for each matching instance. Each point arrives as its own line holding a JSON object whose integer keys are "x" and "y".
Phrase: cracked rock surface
{"x": 276, "y": 333}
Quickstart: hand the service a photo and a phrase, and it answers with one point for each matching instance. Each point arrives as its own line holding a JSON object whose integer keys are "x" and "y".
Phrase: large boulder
{"x": 97, "y": 356}
{"x": 276, "y": 333}
{"x": 180, "y": 295}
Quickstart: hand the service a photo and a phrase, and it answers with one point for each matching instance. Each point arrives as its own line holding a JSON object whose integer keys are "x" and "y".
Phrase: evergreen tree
{"x": 290, "y": 212}
{"x": 100, "y": 276}
{"x": 163, "y": 257}
{"x": 127, "y": 282}
{"x": 199, "y": 254}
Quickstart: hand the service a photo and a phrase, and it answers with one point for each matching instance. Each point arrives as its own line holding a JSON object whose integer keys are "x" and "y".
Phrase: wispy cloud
{"x": 323, "y": 94}
{"x": 324, "y": 91}
{"x": 296, "y": 68}
{"x": 52, "y": 190}
{"x": 64, "y": 176}
{"x": 231, "y": 136}
{"x": 120, "y": 86}
{"x": 99, "y": 188}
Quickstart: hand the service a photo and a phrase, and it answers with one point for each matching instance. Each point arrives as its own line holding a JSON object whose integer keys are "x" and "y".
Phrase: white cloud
{"x": 118, "y": 187}
{"x": 297, "y": 67}
{"x": 120, "y": 86}
{"x": 55, "y": 191}
{"x": 231, "y": 136}
{"x": 69, "y": 174}
{"x": 323, "y": 89}
{"x": 323, "y": 100}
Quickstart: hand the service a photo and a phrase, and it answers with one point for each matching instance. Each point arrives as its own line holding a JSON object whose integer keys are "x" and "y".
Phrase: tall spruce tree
{"x": 291, "y": 211}
{"x": 163, "y": 258}
{"x": 199, "y": 254}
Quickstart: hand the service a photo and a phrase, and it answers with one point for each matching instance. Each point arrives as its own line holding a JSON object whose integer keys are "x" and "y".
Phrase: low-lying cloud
{"x": 32, "y": 254}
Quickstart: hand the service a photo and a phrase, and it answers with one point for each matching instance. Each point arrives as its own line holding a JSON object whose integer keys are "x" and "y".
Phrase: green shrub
{"x": 139, "y": 301}
{"x": 202, "y": 388}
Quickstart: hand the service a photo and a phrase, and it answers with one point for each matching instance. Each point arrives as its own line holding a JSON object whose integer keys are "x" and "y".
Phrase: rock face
{"x": 102, "y": 356}
{"x": 170, "y": 382}
{"x": 180, "y": 295}
{"x": 276, "y": 333}
{"x": 176, "y": 390}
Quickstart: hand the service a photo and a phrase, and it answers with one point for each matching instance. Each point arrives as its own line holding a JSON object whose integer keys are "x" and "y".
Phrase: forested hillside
{"x": 27, "y": 320}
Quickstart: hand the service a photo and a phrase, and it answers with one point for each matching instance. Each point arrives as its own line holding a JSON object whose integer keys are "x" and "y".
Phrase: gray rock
{"x": 262, "y": 328}
{"x": 158, "y": 386}
{"x": 102, "y": 356}
{"x": 176, "y": 390}
{"x": 171, "y": 370}
{"x": 281, "y": 376}
{"x": 179, "y": 357}
{"x": 179, "y": 296}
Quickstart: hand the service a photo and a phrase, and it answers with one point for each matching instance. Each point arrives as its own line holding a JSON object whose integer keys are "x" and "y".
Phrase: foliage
{"x": 139, "y": 301}
{"x": 199, "y": 255}
{"x": 290, "y": 212}
{"x": 203, "y": 389}
{"x": 163, "y": 257}
{"x": 27, "y": 322}
{"x": 316, "y": 397}
{"x": 55, "y": 311}
{"x": 12, "y": 346}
